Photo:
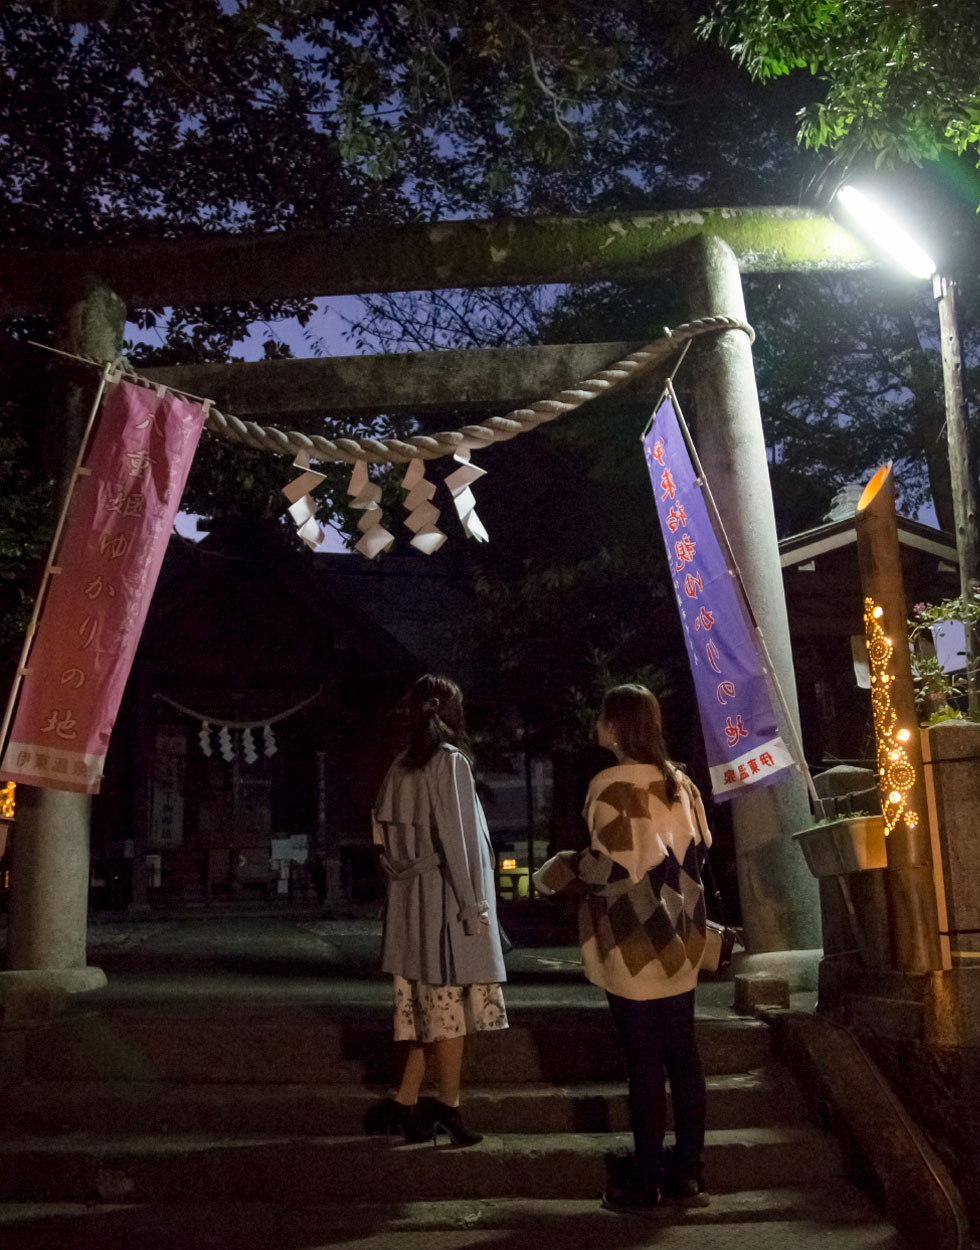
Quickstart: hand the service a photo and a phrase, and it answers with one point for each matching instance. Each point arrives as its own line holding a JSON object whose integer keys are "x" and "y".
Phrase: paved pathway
{"x": 306, "y": 958}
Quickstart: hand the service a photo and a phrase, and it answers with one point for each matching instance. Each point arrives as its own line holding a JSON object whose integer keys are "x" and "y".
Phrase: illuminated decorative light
{"x": 506, "y": 864}
{"x": 7, "y": 800}
{"x": 895, "y": 770}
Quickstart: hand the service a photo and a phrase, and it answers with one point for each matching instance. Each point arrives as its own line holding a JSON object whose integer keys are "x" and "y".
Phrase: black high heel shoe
{"x": 450, "y": 1120}
{"x": 391, "y": 1117}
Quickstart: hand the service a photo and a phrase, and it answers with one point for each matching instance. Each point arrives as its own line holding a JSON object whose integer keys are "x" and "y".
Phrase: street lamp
{"x": 888, "y": 235}
{"x": 886, "y": 232}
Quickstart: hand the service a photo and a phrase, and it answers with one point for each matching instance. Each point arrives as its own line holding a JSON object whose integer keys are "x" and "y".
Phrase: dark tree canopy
{"x": 272, "y": 115}
{"x": 899, "y": 76}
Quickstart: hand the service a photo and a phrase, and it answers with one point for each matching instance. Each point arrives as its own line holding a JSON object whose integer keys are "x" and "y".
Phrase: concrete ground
{"x": 302, "y": 956}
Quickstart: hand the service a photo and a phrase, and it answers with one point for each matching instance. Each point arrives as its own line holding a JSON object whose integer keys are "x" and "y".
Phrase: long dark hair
{"x": 435, "y": 716}
{"x": 633, "y": 714}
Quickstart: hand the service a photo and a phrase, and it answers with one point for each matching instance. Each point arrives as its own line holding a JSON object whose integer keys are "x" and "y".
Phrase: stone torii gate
{"x": 89, "y": 289}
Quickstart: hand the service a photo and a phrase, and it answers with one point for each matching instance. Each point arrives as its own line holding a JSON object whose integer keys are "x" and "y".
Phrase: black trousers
{"x": 658, "y": 1038}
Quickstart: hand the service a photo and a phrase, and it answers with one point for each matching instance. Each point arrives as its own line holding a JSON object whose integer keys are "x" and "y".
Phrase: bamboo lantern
{"x": 914, "y": 919}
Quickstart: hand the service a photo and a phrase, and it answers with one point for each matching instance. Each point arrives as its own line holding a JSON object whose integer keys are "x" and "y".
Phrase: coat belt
{"x": 406, "y": 869}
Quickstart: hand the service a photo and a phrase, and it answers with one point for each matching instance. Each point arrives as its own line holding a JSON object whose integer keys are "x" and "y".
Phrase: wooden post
{"x": 961, "y": 470}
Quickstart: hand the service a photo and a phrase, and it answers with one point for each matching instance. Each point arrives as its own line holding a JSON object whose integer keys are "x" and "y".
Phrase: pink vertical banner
{"x": 115, "y": 536}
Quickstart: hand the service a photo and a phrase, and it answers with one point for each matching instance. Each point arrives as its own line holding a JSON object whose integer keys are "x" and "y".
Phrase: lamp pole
{"x": 889, "y": 235}
{"x": 960, "y": 468}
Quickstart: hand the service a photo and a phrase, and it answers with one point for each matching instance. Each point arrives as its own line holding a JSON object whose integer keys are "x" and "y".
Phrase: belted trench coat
{"x": 441, "y": 914}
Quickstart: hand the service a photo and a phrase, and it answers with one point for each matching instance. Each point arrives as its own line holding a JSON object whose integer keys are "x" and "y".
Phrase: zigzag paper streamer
{"x": 226, "y": 744}
{"x": 459, "y": 487}
{"x": 269, "y": 741}
{"x": 204, "y": 738}
{"x": 302, "y": 507}
{"x": 422, "y": 512}
{"x": 367, "y": 497}
{"x": 248, "y": 747}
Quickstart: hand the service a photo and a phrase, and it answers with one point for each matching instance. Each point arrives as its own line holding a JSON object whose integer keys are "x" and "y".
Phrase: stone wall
{"x": 951, "y": 754}
{"x": 940, "y": 1087}
{"x": 922, "y": 1029}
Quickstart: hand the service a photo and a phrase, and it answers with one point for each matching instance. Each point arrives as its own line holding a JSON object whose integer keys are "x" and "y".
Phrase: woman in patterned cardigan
{"x": 642, "y": 931}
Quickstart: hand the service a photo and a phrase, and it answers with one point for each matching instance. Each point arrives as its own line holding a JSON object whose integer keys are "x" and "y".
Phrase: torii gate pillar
{"x": 779, "y": 897}
{"x": 49, "y": 880}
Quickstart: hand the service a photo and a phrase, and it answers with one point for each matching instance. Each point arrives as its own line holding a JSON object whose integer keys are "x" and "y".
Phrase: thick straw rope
{"x": 494, "y": 430}
{"x": 448, "y": 442}
{"x": 218, "y": 723}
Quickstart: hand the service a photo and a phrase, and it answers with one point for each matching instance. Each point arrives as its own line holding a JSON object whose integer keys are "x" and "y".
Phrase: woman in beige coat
{"x": 441, "y": 941}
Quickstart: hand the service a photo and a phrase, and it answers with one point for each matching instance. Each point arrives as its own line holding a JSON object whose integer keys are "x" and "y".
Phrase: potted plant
{"x": 939, "y": 693}
{"x": 842, "y": 844}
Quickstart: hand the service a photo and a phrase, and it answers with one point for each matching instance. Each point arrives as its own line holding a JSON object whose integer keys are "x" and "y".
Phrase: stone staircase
{"x": 235, "y": 1124}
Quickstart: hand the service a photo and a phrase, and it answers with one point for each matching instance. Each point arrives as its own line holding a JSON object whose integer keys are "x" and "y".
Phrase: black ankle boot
{"x": 450, "y": 1120}
{"x": 392, "y": 1117}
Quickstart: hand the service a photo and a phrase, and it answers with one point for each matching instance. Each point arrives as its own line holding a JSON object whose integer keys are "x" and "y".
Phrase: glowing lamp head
{"x": 903, "y": 735}
{"x": 508, "y": 864}
{"x": 894, "y": 797}
{"x": 887, "y": 233}
{"x": 877, "y": 613}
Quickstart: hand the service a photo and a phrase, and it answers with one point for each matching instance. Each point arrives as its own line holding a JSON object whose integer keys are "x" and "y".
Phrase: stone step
{"x": 190, "y": 1168}
{"x": 321, "y": 1046}
{"x": 832, "y": 1210}
{"x": 765, "y": 1096}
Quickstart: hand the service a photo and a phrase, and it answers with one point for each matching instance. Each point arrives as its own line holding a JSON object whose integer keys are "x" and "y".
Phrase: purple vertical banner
{"x": 737, "y": 715}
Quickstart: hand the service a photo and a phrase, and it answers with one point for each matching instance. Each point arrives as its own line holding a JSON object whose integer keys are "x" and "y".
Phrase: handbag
{"x": 506, "y": 945}
{"x": 720, "y": 938}
{"x": 719, "y": 942}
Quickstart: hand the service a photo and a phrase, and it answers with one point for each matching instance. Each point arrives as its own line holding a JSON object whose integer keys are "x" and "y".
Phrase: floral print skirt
{"x": 434, "y": 1013}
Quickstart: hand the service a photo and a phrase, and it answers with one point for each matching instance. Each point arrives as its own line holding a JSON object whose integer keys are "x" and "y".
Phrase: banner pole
{"x": 668, "y": 384}
{"x": 129, "y": 375}
{"x": 50, "y": 565}
{"x": 736, "y": 572}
